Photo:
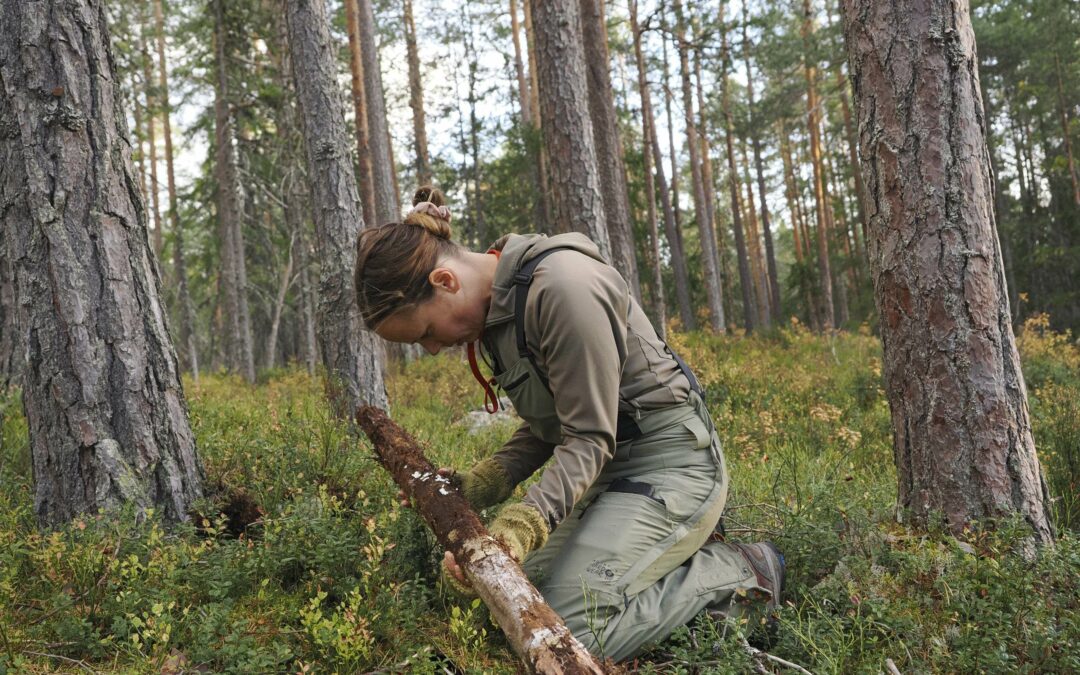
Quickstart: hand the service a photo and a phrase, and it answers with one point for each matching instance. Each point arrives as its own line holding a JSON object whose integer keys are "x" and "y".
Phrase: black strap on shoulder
{"x": 522, "y": 281}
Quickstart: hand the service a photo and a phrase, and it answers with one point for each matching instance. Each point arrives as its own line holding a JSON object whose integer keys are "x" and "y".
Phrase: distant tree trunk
{"x": 387, "y": 204}
{"x": 472, "y": 68}
{"x": 609, "y": 148}
{"x": 564, "y": 110}
{"x": 824, "y": 272}
{"x": 546, "y": 208}
{"x": 230, "y": 212}
{"x": 187, "y": 312}
{"x": 714, "y": 290}
{"x": 962, "y": 432}
{"x": 309, "y": 341}
{"x": 353, "y": 358}
{"x": 755, "y": 138}
{"x": 708, "y": 181}
{"x": 669, "y": 95}
{"x": 151, "y": 137}
{"x": 746, "y": 282}
{"x": 753, "y": 237}
{"x": 519, "y": 67}
{"x": 138, "y": 154}
{"x": 651, "y": 158}
{"x": 279, "y": 304}
{"x": 416, "y": 99}
{"x": 1063, "y": 114}
{"x": 107, "y": 418}
{"x": 359, "y": 99}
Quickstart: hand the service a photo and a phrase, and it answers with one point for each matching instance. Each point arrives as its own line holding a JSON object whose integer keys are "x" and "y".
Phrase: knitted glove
{"x": 521, "y": 528}
{"x": 485, "y": 484}
{"x": 455, "y": 587}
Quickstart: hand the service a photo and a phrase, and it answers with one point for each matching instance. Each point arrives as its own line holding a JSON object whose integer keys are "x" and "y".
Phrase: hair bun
{"x": 428, "y": 193}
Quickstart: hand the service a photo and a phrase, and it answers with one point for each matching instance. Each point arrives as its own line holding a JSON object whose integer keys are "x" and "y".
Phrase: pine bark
{"x": 107, "y": 417}
{"x": 230, "y": 211}
{"x": 416, "y": 98}
{"x": 364, "y": 170}
{"x": 567, "y": 128}
{"x": 9, "y": 351}
{"x": 714, "y": 290}
{"x": 535, "y": 632}
{"x": 746, "y": 282}
{"x": 383, "y": 171}
{"x": 353, "y": 357}
{"x": 545, "y": 210}
{"x": 962, "y": 431}
{"x": 813, "y": 125}
{"x": 609, "y": 148}
{"x": 187, "y": 311}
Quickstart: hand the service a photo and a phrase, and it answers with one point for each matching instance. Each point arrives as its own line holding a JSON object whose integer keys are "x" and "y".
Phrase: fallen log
{"x": 536, "y": 633}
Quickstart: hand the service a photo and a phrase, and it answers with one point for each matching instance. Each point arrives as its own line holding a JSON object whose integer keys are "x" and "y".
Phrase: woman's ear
{"x": 444, "y": 278}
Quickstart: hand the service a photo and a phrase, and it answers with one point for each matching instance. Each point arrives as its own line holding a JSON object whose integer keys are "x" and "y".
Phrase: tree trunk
{"x": 387, "y": 204}
{"x": 230, "y": 211}
{"x": 669, "y": 95}
{"x": 519, "y": 67}
{"x": 753, "y": 238}
{"x": 609, "y": 149}
{"x": 755, "y": 139}
{"x": 1063, "y": 114}
{"x": 187, "y": 312}
{"x": 564, "y": 111}
{"x": 416, "y": 99}
{"x": 746, "y": 282}
{"x": 713, "y": 288}
{"x": 359, "y": 99}
{"x": 353, "y": 358}
{"x": 546, "y": 208}
{"x": 648, "y": 136}
{"x": 9, "y": 349}
{"x": 151, "y": 136}
{"x": 535, "y": 632}
{"x": 106, "y": 412}
{"x": 824, "y": 272}
{"x": 962, "y": 432}
{"x": 279, "y": 305}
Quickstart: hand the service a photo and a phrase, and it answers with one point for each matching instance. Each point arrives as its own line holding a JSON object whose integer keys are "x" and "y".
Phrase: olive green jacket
{"x": 598, "y": 353}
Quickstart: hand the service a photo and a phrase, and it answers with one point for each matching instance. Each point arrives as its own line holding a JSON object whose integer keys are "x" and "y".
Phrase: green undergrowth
{"x": 300, "y": 559}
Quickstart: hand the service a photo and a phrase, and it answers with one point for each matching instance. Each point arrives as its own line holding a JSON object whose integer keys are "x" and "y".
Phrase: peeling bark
{"x": 106, "y": 412}
{"x": 535, "y": 632}
{"x": 962, "y": 432}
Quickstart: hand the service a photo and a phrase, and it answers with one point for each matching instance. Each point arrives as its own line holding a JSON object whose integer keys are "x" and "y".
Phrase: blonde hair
{"x": 393, "y": 261}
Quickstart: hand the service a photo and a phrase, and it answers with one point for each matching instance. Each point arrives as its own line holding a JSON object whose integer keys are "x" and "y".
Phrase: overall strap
{"x": 522, "y": 281}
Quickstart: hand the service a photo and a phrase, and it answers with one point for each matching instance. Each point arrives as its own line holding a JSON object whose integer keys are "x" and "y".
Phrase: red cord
{"x": 491, "y": 401}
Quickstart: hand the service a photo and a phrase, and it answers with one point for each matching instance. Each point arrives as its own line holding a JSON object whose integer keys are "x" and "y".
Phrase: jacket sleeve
{"x": 576, "y": 326}
{"x": 523, "y": 454}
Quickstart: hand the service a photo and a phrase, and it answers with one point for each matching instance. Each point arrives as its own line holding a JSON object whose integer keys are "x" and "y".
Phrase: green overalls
{"x": 638, "y": 482}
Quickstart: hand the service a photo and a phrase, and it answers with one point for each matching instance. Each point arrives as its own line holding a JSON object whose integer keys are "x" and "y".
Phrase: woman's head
{"x": 410, "y": 278}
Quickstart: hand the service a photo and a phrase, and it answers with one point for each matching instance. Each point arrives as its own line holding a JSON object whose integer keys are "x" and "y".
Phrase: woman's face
{"x": 450, "y": 317}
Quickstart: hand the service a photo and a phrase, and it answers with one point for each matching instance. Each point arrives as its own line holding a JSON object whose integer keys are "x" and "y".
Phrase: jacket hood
{"x": 519, "y": 249}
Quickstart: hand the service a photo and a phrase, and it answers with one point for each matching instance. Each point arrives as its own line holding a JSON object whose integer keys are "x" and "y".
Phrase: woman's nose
{"x": 431, "y": 346}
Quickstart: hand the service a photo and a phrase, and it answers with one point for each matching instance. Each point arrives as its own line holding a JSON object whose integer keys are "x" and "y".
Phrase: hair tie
{"x": 431, "y": 209}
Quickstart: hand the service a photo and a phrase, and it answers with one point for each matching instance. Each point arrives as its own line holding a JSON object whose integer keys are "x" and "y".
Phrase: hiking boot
{"x": 768, "y": 564}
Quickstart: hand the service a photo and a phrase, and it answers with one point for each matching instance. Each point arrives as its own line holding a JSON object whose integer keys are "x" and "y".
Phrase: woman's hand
{"x": 451, "y": 568}
{"x": 445, "y": 472}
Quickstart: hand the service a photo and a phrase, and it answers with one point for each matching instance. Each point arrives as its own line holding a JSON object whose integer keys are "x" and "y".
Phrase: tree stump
{"x": 536, "y": 633}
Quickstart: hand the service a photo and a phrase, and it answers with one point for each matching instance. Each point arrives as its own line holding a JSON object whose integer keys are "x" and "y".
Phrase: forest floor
{"x": 302, "y": 561}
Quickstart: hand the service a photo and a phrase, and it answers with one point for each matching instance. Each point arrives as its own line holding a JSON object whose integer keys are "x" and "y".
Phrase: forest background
{"x": 311, "y": 565}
